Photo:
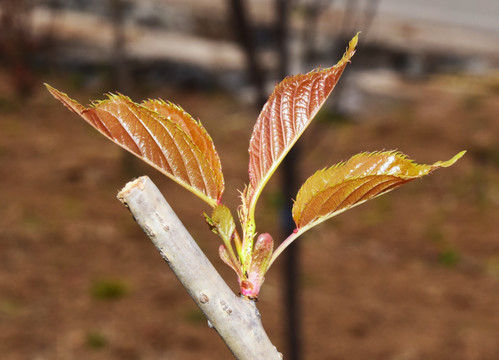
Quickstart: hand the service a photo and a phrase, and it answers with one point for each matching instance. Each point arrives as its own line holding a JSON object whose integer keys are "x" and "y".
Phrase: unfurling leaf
{"x": 364, "y": 176}
{"x": 262, "y": 252}
{"x": 287, "y": 113}
{"x": 222, "y": 220}
{"x": 226, "y": 258}
{"x": 162, "y": 135}
{"x": 222, "y": 223}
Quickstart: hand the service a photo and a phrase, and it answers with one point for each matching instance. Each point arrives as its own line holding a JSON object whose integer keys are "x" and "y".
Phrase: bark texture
{"x": 236, "y": 319}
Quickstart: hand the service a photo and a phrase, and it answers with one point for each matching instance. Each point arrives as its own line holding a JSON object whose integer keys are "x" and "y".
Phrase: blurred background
{"x": 410, "y": 275}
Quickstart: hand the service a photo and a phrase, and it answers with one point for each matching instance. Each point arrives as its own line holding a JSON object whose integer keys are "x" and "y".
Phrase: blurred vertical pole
{"x": 119, "y": 64}
{"x": 290, "y": 187}
{"x": 241, "y": 24}
{"x": 17, "y": 44}
{"x": 120, "y": 72}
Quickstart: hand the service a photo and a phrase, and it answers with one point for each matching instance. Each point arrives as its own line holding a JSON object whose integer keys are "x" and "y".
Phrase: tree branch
{"x": 236, "y": 319}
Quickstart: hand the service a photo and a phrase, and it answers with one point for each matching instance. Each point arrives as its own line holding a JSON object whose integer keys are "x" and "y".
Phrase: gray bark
{"x": 235, "y": 319}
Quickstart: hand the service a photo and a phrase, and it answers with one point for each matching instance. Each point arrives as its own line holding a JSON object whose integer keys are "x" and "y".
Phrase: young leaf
{"x": 364, "y": 176}
{"x": 262, "y": 253}
{"x": 162, "y": 135}
{"x": 285, "y": 116}
{"x": 224, "y": 224}
{"x": 226, "y": 258}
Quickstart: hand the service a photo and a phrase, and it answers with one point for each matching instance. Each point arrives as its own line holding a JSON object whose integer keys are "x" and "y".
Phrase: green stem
{"x": 294, "y": 235}
{"x": 247, "y": 245}
{"x": 232, "y": 255}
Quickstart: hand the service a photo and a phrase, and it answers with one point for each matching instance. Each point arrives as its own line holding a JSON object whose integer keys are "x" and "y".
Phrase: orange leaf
{"x": 191, "y": 127}
{"x": 287, "y": 113}
{"x": 162, "y": 135}
{"x": 331, "y": 191}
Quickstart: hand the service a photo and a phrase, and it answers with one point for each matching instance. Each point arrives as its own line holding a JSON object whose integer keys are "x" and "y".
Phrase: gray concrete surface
{"x": 479, "y": 14}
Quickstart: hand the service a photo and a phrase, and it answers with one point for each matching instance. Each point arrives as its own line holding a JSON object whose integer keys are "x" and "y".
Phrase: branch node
{"x": 203, "y": 298}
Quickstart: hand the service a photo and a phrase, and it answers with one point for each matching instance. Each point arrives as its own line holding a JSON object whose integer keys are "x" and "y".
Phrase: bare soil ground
{"x": 411, "y": 275}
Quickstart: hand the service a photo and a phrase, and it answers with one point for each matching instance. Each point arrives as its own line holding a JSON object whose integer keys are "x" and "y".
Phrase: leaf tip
{"x": 52, "y": 90}
{"x": 350, "y": 50}
{"x": 353, "y": 43}
{"x": 451, "y": 161}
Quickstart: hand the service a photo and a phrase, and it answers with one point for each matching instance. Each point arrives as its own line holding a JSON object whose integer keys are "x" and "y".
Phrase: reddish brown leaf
{"x": 331, "y": 191}
{"x": 167, "y": 141}
{"x": 285, "y": 116}
{"x": 191, "y": 127}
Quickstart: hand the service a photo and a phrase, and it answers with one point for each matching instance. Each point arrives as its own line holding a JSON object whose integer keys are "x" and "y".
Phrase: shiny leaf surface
{"x": 333, "y": 190}
{"x": 191, "y": 127}
{"x": 162, "y": 135}
{"x": 287, "y": 113}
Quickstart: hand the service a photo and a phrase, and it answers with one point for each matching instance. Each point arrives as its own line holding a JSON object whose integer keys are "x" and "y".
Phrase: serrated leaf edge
{"x": 79, "y": 109}
{"x": 404, "y": 179}
{"x": 253, "y": 192}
